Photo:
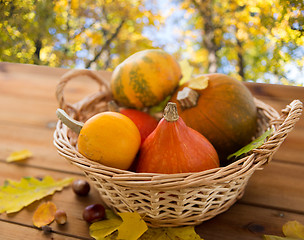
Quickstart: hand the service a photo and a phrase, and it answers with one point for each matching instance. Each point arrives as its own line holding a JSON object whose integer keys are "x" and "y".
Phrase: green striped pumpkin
{"x": 145, "y": 78}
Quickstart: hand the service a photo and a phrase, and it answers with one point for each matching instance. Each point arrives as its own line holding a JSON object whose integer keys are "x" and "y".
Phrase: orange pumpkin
{"x": 111, "y": 139}
{"x": 145, "y": 78}
{"x": 175, "y": 148}
{"x": 224, "y": 112}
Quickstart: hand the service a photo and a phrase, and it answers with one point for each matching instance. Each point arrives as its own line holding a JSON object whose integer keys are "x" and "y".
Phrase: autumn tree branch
{"x": 106, "y": 45}
{"x": 206, "y": 12}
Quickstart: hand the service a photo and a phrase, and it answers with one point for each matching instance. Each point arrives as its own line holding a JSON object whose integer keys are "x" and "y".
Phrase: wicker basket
{"x": 169, "y": 199}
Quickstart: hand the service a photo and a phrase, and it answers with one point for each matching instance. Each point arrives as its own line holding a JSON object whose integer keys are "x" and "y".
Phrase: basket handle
{"x": 75, "y": 109}
{"x": 285, "y": 123}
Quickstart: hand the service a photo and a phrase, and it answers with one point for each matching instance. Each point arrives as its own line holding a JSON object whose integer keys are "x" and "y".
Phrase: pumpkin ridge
{"x": 215, "y": 98}
{"x": 140, "y": 86}
{"x": 220, "y": 129}
{"x": 192, "y": 136}
{"x": 237, "y": 105}
{"x": 119, "y": 88}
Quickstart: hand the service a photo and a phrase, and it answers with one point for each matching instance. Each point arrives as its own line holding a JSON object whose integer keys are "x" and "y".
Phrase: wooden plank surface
{"x": 27, "y": 120}
{"x": 66, "y": 199}
{"x": 8, "y": 232}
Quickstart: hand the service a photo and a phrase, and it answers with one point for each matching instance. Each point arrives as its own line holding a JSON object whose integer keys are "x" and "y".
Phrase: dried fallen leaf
{"x": 16, "y": 195}
{"x": 101, "y": 229}
{"x": 178, "y": 233}
{"x": 132, "y": 227}
{"x": 293, "y": 229}
{"x": 19, "y": 155}
{"x": 198, "y": 83}
{"x": 44, "y": 214}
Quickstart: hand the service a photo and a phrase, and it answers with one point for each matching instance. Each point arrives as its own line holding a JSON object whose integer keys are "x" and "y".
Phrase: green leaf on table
{"x": 178, "y": 233}
{"x": 19, "y": 155}
{"x": 186, "y": 70}
{"x": 254, "y": 144}
{"x": 16, "y": 195}
{"x": 293, "y": 229}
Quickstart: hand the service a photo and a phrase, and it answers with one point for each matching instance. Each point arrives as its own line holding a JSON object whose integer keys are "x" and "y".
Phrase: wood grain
{"x": 273, "y": 195}
{"x": 240, "y": 218}
{"x": 246, "y": 222}
{"x": 66, "y": 200}
{"x": 279, "y": 185}
{"x": 8, "y": 232}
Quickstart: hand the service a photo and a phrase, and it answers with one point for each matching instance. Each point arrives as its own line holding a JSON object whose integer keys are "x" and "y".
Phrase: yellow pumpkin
{"x": 111, "y": 139}
{"x": 145, "y": 78}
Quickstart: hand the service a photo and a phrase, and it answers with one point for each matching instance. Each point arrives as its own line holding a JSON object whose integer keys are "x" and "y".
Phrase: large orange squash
{"x": 175, "y": 148}
{"x": 224, "y": 112}
{"x": 145, "y": 78}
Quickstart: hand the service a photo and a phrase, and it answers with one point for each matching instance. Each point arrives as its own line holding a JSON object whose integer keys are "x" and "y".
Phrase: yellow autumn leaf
{"x": 181, "y": 233}
{"x": 293, "y": 229}
{"x": 16, "y": 195}
{"x": 101, "y": 229}
{"x": 19, "y": 155}
{"x": 198, "y": 83}
{"x": 186, "y": 70}
{"x": 132, "y": 227}
{"x": 44, "y": 214}
{"x": 272, "y": 237}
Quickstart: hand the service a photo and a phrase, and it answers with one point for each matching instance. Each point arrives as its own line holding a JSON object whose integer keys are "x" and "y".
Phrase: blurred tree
{"x": 65, "y": 33}
{"x": 246, "y": 39}
{"x": 24, "y": 28}
{"x": 254, "y": 40}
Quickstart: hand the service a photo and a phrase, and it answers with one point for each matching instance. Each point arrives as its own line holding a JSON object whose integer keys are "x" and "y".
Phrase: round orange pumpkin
{"x": 224, "y": 112}
{"x": 145, "y": 78}
{"x": 111, "y": 139}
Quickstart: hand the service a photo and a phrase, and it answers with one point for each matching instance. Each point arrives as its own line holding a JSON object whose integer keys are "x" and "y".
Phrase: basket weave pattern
{"x": 169, "y": 199}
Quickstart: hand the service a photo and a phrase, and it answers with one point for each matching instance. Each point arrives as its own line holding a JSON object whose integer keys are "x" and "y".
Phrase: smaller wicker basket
{"x": 169, "y": 199}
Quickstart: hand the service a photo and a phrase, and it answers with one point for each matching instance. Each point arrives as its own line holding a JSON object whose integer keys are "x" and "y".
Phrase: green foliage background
{"x": 251, "y": 40}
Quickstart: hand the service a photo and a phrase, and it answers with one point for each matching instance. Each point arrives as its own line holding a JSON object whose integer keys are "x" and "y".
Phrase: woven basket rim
{"x": 168, "y": 200}
{"x": 244, "y": 165}
{"x": 282, "y": 125}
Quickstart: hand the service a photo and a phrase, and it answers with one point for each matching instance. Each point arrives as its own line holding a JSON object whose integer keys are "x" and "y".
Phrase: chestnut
{"x": 94, "y": 213}
{"x": 81, "y": 187}
{"x": 60, "y": 217}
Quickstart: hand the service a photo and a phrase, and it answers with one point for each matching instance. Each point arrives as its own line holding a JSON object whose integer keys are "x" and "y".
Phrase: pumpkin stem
{"x": 187, "y": 97}
{"x": 112, "y": 106}
{"x": 170, "y": 112}
{"x": 74, "y": 125}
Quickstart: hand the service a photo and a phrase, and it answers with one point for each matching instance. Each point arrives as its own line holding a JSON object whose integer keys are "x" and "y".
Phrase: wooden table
{"x": 273, "y": 196}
